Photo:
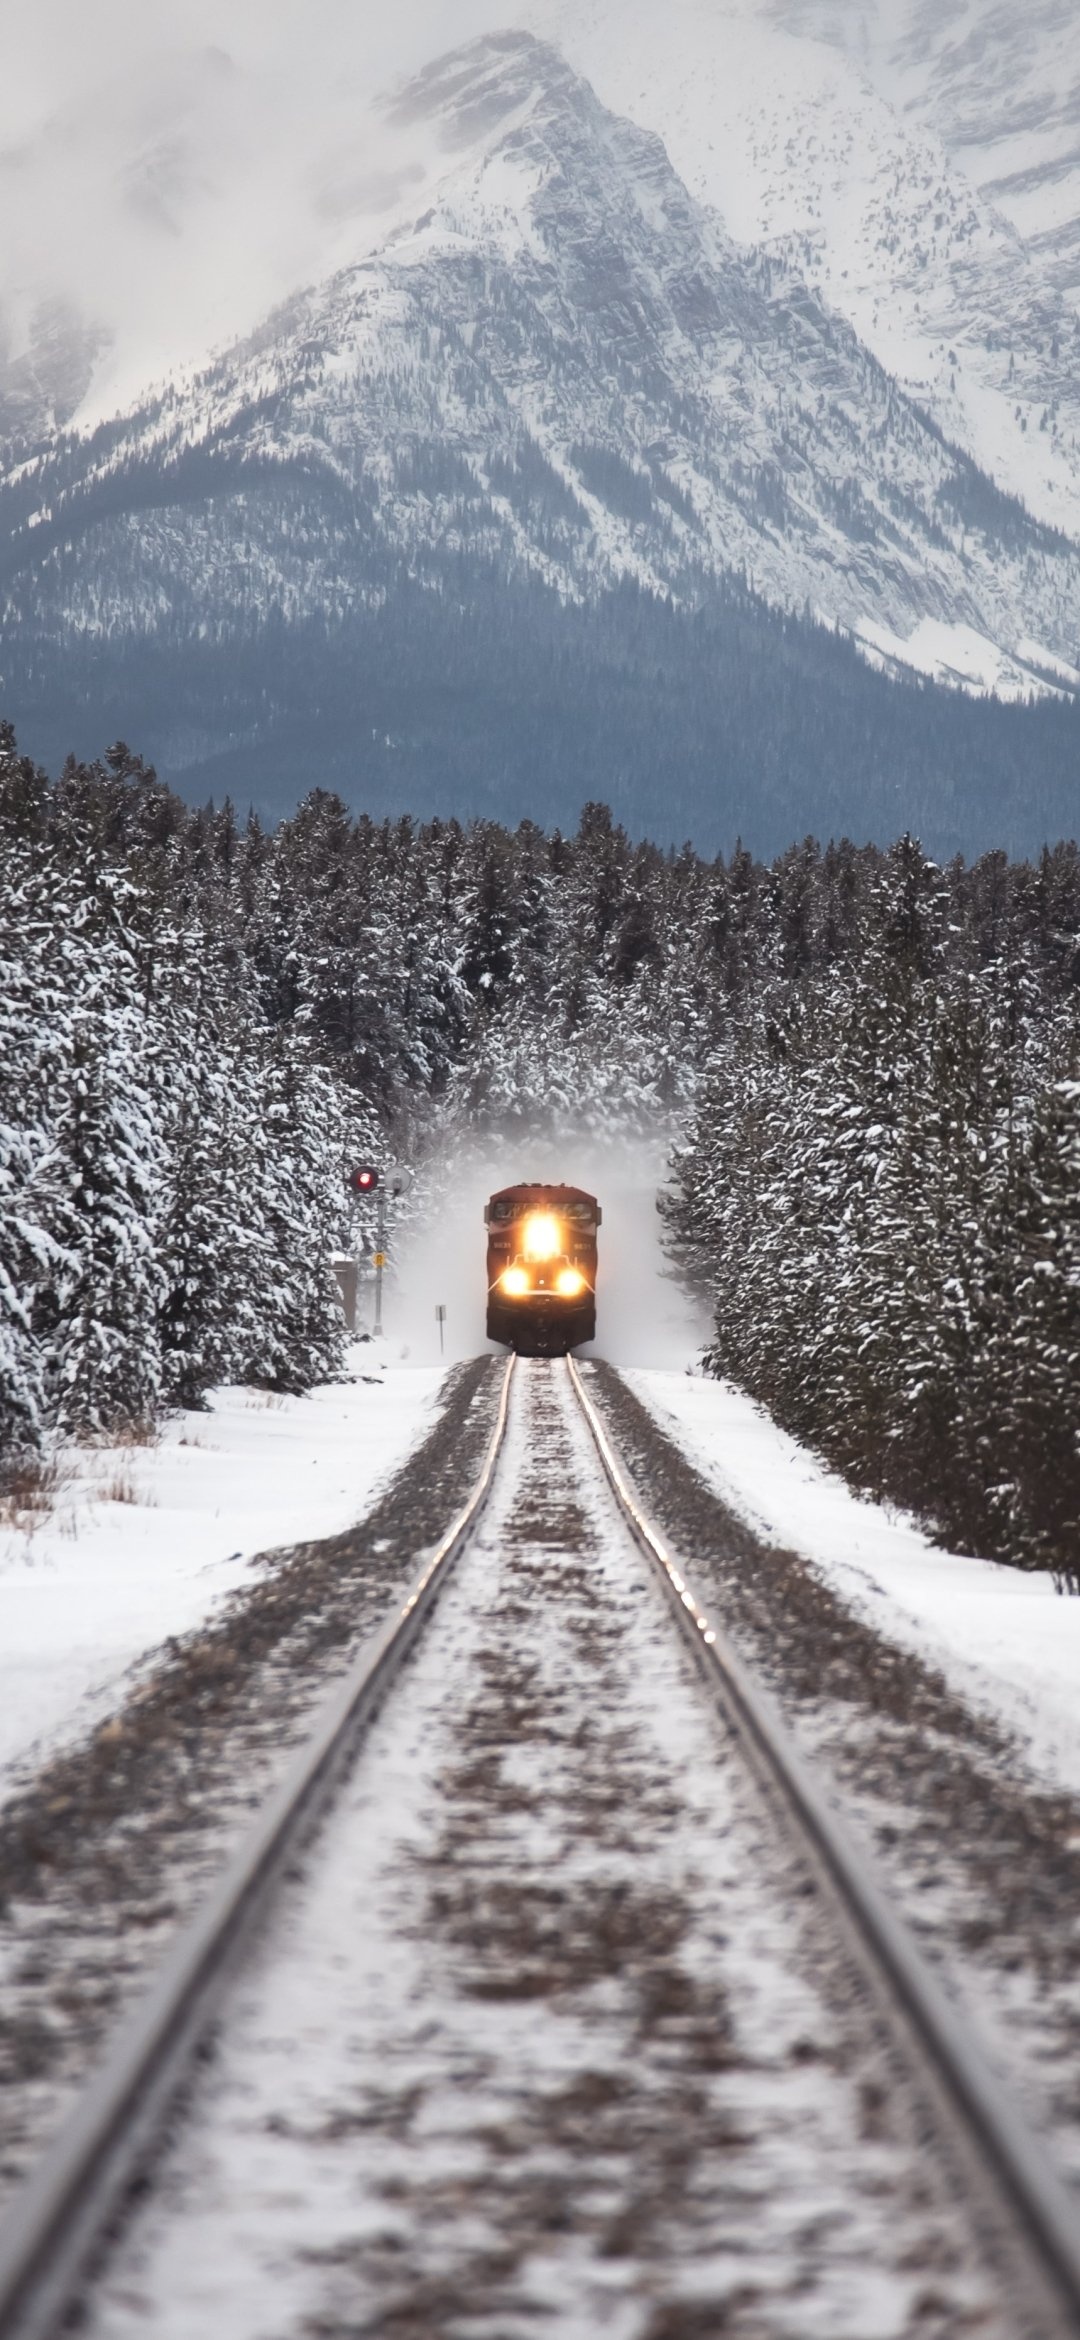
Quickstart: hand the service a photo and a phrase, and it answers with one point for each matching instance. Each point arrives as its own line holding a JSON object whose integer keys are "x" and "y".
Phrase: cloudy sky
{"x": 170, "y": 172}
{"x": 53, "y": 50}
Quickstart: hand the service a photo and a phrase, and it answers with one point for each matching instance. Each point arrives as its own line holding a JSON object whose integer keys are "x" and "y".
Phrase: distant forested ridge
{"x": 482, "y": 695}
{"x": 874, "y": 1060}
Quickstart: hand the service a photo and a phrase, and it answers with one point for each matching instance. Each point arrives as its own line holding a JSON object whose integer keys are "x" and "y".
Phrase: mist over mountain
{"x": 697, "y": 354}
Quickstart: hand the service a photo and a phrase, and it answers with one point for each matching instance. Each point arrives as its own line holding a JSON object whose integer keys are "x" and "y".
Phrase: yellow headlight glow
{"x": 515, "y": 1281}
{"x": 543, "y": 1236}
{"x": 569, "y": 1282}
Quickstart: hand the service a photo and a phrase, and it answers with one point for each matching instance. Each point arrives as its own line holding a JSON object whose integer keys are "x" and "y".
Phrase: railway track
{"x": 568, "y": 1881}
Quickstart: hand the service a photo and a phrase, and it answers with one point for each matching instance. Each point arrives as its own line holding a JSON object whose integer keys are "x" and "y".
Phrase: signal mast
{"x": 370, "y": 1178}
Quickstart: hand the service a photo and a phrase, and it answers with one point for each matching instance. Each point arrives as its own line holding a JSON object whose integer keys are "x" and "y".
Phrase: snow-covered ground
{"x": 144, "y": 1542}
{"x": 1001, "y": 1636}
{"x": 959, "y": 654}
{"x": 540, "y": 2040}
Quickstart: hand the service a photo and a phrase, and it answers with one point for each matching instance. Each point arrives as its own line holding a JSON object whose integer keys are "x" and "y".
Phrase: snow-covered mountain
{"x": 918, "y": 160}
{"x": 720, "y": 306}
{"x": 820, "y": 139}
{"x": 558, "y": 361}
{"x": 1000, "y": 86}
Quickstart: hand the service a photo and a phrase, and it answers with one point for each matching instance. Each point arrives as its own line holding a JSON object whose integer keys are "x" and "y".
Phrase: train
{"x": 541, "y": 1268}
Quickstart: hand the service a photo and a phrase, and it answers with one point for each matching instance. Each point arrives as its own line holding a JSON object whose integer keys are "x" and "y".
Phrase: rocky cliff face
{"x": 999, "y": 85}
{"x": 42, "y": 387}
{"x": 918, "y": 165}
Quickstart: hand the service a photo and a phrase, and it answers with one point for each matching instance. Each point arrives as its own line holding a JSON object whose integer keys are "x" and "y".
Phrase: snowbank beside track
{"x": 1001, "y": 1636}
{"x": 143, "y": 1542}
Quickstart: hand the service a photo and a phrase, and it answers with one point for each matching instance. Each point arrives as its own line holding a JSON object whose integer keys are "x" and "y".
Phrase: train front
{"x": 541, "y": 1268}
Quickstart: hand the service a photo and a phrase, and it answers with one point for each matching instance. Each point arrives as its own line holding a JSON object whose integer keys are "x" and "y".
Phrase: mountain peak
{"x": 537, "y": 362}
{"x": 470, "y": 92}
{"x": 558, "y": 363}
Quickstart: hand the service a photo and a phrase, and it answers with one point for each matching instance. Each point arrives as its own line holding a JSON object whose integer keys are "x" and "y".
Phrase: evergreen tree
{"x": 98, "y": 1319}
{"x": 875, "y": 1060}
{"x": 36, "y": 978}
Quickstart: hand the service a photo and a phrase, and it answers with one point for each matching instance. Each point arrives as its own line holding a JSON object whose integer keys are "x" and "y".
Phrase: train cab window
{"x": 578, "y": 1212}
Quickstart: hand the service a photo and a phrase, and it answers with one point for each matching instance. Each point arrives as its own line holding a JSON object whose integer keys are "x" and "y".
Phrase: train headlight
{"x": 543, "y": 1236}
{"x": 515, "y": 1281}
{"x": 569, "y": 1282}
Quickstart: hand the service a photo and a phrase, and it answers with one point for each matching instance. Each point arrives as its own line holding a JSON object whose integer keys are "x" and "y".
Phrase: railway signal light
{"x": 364, "y": 1179}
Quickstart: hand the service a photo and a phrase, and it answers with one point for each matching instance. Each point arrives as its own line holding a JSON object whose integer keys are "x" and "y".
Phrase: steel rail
{"x": 1042, "y": 2205}
{"x": 62, "y": 2213}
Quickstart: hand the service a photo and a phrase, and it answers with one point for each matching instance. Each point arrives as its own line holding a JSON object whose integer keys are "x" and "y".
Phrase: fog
{"x": 168, "y": 179}
{"x": 644, "y": 1317}
{"x": 52, "y": 51}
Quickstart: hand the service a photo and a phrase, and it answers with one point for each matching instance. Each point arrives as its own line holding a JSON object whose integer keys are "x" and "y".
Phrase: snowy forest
{"x": 871, "y": 1065}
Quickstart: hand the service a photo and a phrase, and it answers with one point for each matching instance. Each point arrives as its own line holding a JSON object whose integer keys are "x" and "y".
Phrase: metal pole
{"x": 380, "y": 1255}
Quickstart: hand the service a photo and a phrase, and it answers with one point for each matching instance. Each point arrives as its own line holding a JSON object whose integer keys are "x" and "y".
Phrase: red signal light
{"x": 364, "y": 1179}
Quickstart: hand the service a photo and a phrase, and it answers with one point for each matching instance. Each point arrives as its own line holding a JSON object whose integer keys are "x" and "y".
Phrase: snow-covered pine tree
{"x": 1028, "y": 1425}
{"x": 296, "y": 1181}
{"x": 35, "y": 989}
{"x": 212, "y": 1265}
{"x": 98, "y": 1320}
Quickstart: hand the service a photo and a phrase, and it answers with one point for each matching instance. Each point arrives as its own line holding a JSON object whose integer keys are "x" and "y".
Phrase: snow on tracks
{"x": 112, "y": 1842}
{"x": 554, "y": 2027}
{"x": 982, "y": 1856}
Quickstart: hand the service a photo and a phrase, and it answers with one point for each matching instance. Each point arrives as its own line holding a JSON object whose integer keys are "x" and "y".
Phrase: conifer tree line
{"x": 202, "y": 1026}
{"x": 881, "y": 1187}
{"x": 169, "y": 1159}
{"x": 874, "y": 1061}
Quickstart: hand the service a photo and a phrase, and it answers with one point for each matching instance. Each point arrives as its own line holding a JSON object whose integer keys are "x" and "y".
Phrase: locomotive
{"x": 541, "y": 1268}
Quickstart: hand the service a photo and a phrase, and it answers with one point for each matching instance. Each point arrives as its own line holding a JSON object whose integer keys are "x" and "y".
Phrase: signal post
{"x": 369, "y": 1179}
